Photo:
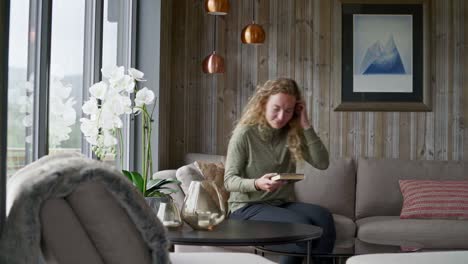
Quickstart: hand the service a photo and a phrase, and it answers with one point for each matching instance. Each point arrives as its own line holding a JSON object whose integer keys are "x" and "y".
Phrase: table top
{"x": 245, "y": 233}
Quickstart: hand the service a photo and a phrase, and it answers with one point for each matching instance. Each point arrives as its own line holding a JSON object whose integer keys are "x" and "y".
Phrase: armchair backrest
{"x": 89, "y": 226}
{"x": 70, "y": 209}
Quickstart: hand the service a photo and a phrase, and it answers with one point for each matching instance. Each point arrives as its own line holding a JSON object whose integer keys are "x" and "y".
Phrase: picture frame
{"x": 384, "y": 60}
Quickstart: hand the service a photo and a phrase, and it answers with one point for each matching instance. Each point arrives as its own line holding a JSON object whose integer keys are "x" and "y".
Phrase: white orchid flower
{"x": 90, "y": 107}
{"x": 106, "y": 119}
{"x": 126, "y": 83}
{"x": 29, "y": 86}
{"x": 112, "y": 72}
{"x": 117, "y": 105}
{"x": 92, "y": 140}
{"x": 136, "y": 74}
{"x": 25, "y": 104}
{"x": 117, "y": 122}
{"x": 61, "y": 112}
{"x": 89, "y": 127}
{"x": 108, "y": 139}
{"x": 98, "y": 90}
{"x": 68, "y": 117}
{"x": 27, "y": 120}
{"x": 144, "y": 96}
{"x": 62, "y": 91}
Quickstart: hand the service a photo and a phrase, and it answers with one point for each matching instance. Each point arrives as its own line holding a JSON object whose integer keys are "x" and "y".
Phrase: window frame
{"x": 4, "y": 41}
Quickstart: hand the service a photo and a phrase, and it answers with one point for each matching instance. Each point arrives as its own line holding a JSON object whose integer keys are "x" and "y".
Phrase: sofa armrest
{"x": 171, "y": 174}
{"x": 164, "y": 174}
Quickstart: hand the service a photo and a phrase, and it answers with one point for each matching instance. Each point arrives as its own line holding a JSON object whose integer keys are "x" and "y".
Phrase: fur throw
{"x": 56, "y": 177}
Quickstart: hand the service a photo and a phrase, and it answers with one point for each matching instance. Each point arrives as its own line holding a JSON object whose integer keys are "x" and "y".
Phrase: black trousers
{"x": 295, "y": 212}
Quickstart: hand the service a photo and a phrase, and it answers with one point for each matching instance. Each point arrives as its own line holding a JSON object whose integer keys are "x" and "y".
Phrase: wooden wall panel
{"x": 464, "y": 70}
{"x": 301, "y": 42}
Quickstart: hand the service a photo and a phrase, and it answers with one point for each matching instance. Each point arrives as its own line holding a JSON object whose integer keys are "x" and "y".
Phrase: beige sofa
{"x": 365, "y": 200}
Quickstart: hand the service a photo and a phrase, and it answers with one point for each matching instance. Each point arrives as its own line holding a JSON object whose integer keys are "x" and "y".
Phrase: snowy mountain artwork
{"x": 381, "y": 59}
{"x": 382, "y": 53}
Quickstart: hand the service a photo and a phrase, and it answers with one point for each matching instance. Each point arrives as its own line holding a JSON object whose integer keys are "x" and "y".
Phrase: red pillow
{"x": 434, "y": 199}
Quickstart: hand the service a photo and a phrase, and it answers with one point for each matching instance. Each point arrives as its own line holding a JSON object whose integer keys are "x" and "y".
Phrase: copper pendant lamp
{"x": 253, "y": 33}
{"x": 213, "y": 63}
{"x": 217, "y": 7}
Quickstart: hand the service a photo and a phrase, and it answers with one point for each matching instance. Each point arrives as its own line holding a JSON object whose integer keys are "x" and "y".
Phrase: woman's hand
{"x": 301, "y": 111}
{"x": 266, "y": 184}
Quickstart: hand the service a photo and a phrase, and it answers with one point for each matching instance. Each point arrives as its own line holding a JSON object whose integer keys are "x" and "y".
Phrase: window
{"x": 66, "y": 75}
{"x": 20, "y": 88}
{"x": 70, "y": 69}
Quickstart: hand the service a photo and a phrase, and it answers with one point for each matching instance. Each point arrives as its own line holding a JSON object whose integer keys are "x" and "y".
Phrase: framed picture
{"x": 384, "y": 56}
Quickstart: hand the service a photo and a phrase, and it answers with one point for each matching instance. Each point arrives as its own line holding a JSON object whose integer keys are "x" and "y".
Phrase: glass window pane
{"x": 115, "y": 48}
{"x": 20, "y": 88}
{"x": 110, "y": 33}
{"x": 66, "y": 76}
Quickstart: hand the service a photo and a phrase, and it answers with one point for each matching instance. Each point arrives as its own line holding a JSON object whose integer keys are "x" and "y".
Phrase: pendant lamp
{"x": 253, "y": 33}
{"x": 217, "y": 7}
{"x": 213, "y": 63}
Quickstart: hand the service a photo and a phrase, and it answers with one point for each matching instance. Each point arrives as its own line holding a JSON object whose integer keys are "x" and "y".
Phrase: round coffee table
{"x": 247, "y": 233}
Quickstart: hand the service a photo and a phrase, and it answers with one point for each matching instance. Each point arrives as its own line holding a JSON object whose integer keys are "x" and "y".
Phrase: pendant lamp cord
{"x": 214, "y": 37}
{"x": 253, "y": 10}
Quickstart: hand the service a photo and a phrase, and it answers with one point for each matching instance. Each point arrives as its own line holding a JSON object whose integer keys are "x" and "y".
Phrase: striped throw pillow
{"x": 434, "y": 199}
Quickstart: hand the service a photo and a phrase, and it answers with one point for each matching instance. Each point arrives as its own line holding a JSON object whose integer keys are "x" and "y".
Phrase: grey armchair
{"x": 68, "y": 209}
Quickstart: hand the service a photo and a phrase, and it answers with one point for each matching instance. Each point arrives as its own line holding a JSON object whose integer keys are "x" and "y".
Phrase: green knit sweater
{"x": 252, "y": 154}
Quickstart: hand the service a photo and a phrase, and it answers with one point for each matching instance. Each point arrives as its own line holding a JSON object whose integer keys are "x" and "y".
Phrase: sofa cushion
{"x": 345, "y": 232}
{"x": 434, "y": 199}
{"x": 192, "y": 157}
{"x": 214, "y": 172}
{"x": 186, "y": 174}
{"x": 377, "y": 188}
{"x": 333, "y": 188}
{"x": 429, "y": 233}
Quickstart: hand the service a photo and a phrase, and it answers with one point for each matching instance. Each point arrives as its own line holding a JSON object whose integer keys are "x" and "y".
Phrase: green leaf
{"x": 137, "y": 180}
{"x": 155, "y": 194}
{"x": 127, "y": 174}
{"x": 156, "y": 184}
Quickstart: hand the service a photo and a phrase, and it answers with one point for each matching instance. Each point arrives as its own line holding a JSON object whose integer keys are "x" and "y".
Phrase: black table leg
{"x": 308, "y": 252}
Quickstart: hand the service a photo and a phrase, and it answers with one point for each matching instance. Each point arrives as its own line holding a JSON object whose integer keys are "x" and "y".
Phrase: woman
{"x": 273, "y": 134}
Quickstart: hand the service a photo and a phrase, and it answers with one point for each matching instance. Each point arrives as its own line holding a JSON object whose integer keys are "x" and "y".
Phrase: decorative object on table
{"x": 111, "y": 99}
{"x": 203, "y": 208}
{"x": 214, "y": 171}
{"x": 169, "y": 214}
{"x": 385, "y": 62}
{"x": 253, "y": 33}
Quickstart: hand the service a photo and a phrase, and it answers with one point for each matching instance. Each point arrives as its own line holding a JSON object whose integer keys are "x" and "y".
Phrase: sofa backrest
{"x": 192, "y": 157}
{"x": 333, "y": 188}
{"x": 377, "y": 189}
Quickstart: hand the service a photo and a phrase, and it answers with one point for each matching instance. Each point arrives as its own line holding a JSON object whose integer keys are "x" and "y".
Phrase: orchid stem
{"x": 119, "y": 132}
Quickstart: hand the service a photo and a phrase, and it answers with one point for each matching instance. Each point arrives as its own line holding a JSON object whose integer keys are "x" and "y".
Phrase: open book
{"x": 288, "y": 177}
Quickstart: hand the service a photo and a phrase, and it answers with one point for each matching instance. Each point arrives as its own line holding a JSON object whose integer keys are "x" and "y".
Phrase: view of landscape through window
{"x": 66, "y": 86}
{"x": 20, "y": 88}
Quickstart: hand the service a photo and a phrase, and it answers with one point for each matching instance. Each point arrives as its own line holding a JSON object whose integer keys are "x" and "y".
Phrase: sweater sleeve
{"x": 236, "y": 160}
{"x": 314, "y": 151}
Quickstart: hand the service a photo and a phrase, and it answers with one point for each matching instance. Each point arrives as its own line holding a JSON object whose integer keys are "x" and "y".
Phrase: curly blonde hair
{"x": 254, "y": 111}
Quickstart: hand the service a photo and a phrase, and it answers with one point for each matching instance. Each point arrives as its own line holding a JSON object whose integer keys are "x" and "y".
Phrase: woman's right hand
{"x": 266, "y": 184}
